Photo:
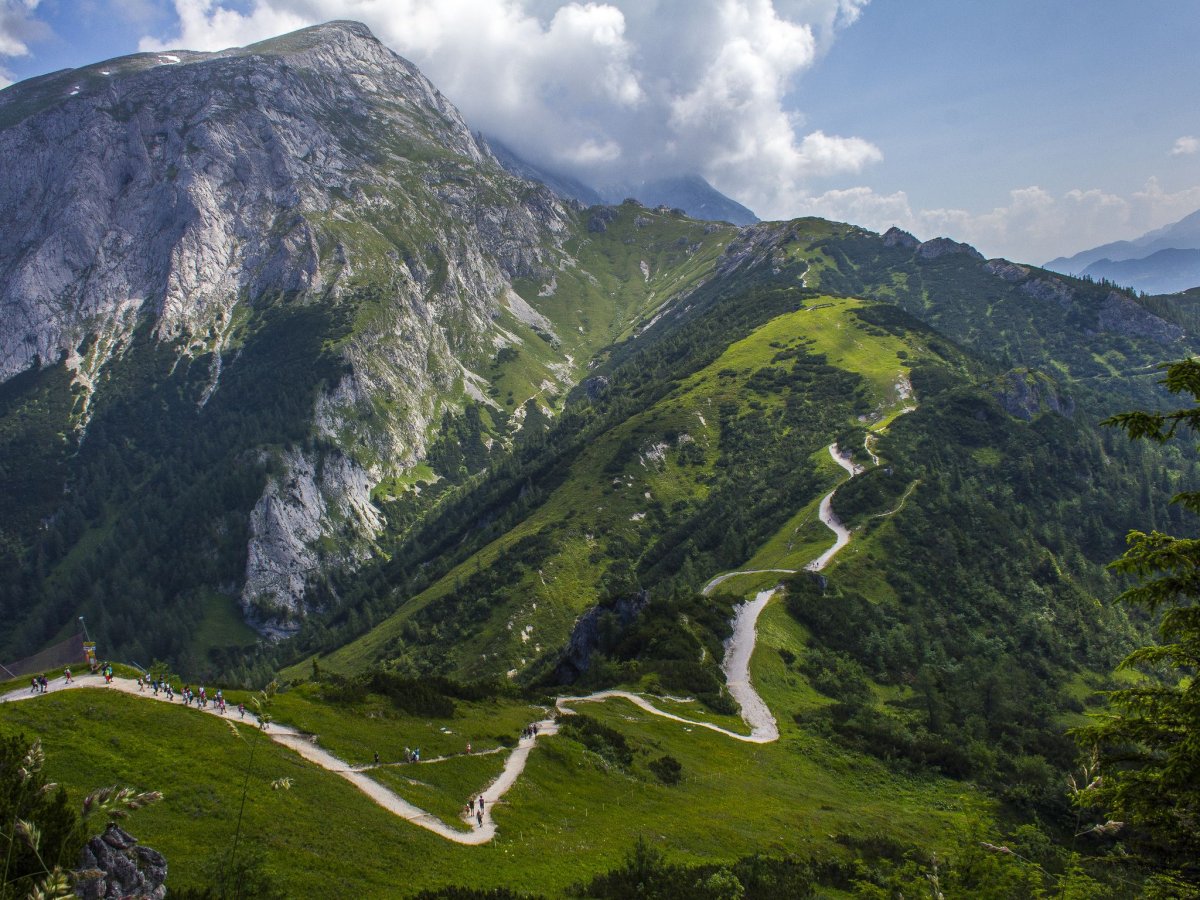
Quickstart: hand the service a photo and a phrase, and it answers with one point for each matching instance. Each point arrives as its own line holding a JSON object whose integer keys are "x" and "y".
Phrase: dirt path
{"x": 738, "y": 651}
{"x": 841, "y": 534}
{"x": 712, "y": 585}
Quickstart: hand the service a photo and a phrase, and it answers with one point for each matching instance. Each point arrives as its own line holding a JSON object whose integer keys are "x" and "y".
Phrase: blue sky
{"x": 1030, "y": 128}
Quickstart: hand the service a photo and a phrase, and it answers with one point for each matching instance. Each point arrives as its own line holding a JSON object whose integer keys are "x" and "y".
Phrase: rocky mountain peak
{"x": 176, "y": 193}
{"x": 898, "y": 237}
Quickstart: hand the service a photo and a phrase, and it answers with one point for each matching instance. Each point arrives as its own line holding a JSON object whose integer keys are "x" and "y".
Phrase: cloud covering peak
{"x": 622, "y": 90}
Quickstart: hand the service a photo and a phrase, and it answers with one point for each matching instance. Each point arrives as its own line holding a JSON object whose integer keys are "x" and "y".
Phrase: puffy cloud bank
{"x": 608, "y": 91}
{"x": 1185, "y": 146}
{"x": 1032, "y": 227}
{"x": 18, "y": 27}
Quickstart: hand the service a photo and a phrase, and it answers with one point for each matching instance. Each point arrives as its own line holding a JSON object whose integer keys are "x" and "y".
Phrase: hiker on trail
{"x": 241, "y": 710}
{"x": 468, "y": 748}
{"x": 67, "y": 674}
{"x": 376, "y": 757}
{"x": 33, "y": 684}
{"x": 481, "y": 804}
{"x": 479, "y": 818}
{"x": 44, "y": 682}
{"x": 141, "y": 685}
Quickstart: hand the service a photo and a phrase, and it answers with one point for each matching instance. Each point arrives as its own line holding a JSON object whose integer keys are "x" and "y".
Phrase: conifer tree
{"x": 1149, "y": 741}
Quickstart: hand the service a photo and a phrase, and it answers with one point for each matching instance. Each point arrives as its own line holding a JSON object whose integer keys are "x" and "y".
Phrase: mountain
{"x": 302, "y": 385}
{"x": 175, "y": 217}
{"x": 564, "y": 186}
{"x": 1162, "y": 272}
{"x": 690, "y": 193}
{"x": 1165, "y": 260}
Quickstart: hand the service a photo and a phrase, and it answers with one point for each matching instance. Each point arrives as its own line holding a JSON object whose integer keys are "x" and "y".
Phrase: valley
{"x": 775, "y": 552}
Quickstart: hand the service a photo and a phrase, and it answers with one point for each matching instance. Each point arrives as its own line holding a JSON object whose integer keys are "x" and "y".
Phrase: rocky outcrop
{"x": 940, "y": 246}
{"x": 595, "y": 387}
{"x": 895, "y": 237}
{"x": 1047, "y": 288}
{"x": 113, "y": 865}
{"x": 1118, "y": 312}
{"x": 587, "y": 635}
{"x": 1123, "y": 315}
{"x": 1026, "y": 394}
{"x": 1009, "y": 271}
{"x": 170, "y": 191}
{"x": 310, "y": 502}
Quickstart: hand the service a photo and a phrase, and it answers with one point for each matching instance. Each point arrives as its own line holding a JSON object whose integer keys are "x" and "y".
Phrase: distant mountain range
{"x": 1163, "y": 261}
{"x": 690, "y": 193}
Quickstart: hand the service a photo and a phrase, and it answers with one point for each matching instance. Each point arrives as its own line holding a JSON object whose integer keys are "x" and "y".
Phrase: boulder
{"x": 112, "y": 865}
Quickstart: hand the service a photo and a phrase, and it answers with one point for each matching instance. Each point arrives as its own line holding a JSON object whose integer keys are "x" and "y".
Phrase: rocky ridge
{"x": 171, "y": 191}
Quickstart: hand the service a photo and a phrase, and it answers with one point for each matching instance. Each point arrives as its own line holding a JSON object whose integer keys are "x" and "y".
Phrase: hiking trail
{"x": 739, "y": 649}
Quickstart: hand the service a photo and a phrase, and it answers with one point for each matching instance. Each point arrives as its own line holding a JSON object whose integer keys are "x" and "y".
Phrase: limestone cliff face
{"x": 173, "y": 191}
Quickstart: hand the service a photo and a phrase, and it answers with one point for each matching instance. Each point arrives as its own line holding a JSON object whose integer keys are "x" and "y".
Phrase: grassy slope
{"x": 594, "y": 506}
{"x": 569, "y": 816}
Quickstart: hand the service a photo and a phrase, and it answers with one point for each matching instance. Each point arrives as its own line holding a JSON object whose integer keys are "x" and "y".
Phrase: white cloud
{"x": 1033, "y": 226}
{"x": 614, "y": 90}
{"x": 18, "y": 27}
{"x": 1185, "y": 146}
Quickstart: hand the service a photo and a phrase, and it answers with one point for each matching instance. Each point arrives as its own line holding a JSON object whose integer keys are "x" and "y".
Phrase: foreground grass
{"x": 572, "y": 814}
{"x": 356, "y": 732}
{"x": 443, "y": 787}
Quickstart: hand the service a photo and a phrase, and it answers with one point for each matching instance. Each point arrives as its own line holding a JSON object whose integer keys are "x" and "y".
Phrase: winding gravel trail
{"x": 739, "y": 649}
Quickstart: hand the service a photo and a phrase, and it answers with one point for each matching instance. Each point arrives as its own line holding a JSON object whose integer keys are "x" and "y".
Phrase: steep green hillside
{"x": 740, "y": 442}
{"x": 567, "y": 819}
{"x": 923, "y": 682}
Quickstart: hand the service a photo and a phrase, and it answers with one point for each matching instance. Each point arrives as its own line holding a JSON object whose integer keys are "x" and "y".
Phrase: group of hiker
{"x": 39, "y": 684}
{"x": 200, "y": 697}
{"x": 471, "y": 808}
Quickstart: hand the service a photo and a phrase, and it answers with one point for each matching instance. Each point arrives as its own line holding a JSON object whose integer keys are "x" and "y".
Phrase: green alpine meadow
{"x": 382, "y": 517}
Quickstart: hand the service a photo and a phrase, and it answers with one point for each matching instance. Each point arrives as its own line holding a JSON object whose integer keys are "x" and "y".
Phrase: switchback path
{"x": 739, "y": 649}
{"x": 736, "y": 666}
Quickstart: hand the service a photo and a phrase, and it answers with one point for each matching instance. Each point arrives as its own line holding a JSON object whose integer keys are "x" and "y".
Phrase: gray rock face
{"x": 939, "y": 247}
{"x": 587, "y": 635}
{"x": 1118, "y": 313}
{"x": 168, "y": 190}
{"x": 1009, "y": 271}
{"x": 1026, "y": 394}
{"x": 1121, "y": 314}
{"x": 288, "y": 525}
{"x": 595, "y": 387}
{"x": 124, "y": 868}
{"x": 896, "y": 237}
